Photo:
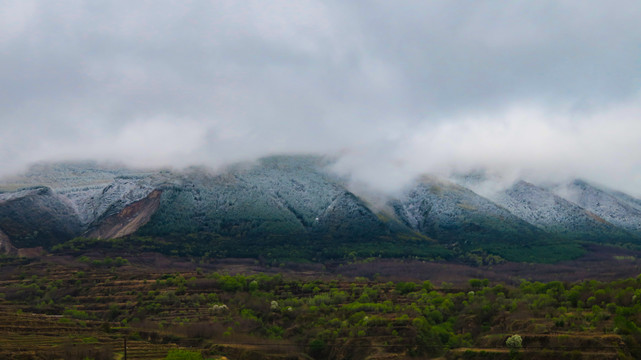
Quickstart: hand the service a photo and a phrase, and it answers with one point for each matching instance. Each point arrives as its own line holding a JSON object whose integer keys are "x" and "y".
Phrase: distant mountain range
{"x": 292, "y": 207}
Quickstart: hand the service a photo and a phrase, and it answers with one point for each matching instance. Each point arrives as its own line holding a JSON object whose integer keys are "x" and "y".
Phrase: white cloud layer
{"x": 544, "y": 90}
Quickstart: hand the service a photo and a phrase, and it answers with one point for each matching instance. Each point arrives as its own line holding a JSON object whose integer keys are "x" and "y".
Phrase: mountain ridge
{"x": 294, "y": 204}
{"x": 555, "y": 214}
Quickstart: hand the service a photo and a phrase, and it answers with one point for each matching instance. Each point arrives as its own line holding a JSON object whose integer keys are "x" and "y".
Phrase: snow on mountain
{"x": 295, "y": 198}
{"x": 278, "y": 196}
{"x": 555, "y": 214}
{"x": 615, "y": 207}
{"x": 447, "y": 211}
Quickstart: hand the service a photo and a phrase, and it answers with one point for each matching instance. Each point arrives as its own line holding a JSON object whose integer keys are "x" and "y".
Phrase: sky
{"x": 394, "y": 89}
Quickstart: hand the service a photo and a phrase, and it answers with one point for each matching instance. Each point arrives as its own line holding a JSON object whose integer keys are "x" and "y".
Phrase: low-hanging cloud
{"x": 521, "y": 142}
{"x": 394, "y": 89}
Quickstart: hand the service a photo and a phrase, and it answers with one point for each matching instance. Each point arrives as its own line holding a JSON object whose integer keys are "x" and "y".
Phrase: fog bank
{"x": 543, "y": 91}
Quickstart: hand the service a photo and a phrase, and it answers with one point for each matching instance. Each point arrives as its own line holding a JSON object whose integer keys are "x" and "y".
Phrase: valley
{"x": 283, "y": 259}
{"x": 84, "y": 306}
{"x": 320, "y": 180}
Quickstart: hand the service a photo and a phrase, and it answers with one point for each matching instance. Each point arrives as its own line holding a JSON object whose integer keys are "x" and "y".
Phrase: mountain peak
{"x": 288, "y": 203}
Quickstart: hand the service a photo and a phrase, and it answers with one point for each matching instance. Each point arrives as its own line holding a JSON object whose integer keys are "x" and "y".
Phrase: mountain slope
{"x": 114, "y": 197}
{"x": 456, "y": 215}
{"x": 128, "y": 220}
{"x": 446, "y": 211}
{"x": 614, "y": 207}
{"x": 283, "y": 202}
{"x": 554, "y": 214}
{"x": 293, "y": 207}
{"x": 37, "y": 217}
{"x": 276, "y": 197}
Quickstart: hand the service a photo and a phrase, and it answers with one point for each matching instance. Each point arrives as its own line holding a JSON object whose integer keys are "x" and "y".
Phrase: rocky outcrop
{"x": 95, "y": 203}
{"x": 128, "y": 220}
{"x": 5, "y": 245}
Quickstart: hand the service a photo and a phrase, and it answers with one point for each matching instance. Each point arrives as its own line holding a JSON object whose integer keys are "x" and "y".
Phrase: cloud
{"x": 396, "y": 88}
{"x": 520, "y": 142}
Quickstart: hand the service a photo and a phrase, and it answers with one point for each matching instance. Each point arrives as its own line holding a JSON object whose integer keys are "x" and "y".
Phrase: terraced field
{"x": 86, "y": 307}
{"x": 40, "y": 336}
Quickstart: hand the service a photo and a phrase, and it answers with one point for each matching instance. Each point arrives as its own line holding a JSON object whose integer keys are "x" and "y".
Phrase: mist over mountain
{"x": 393, "y": 91}
{"x": 297, "y": 207}
{"x": 213, "y": 92}
{"x": 221, "y": 176}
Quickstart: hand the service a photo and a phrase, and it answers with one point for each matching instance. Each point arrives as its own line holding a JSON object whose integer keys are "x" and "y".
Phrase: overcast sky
{"x": 396, "y": 88}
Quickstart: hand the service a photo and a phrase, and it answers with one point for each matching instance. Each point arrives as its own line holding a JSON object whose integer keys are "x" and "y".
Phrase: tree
{"x": 514, "y": 342}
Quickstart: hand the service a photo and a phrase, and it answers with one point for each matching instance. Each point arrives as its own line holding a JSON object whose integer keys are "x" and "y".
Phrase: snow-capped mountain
{"x": 444, "y": 210}
{"x": 294, "y": 201}
{"x": 615, "y": 207}
{"x": 554, "y": 214}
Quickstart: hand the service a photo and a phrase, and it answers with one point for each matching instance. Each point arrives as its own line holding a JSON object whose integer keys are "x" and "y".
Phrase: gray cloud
{"x": 397, "y": 88}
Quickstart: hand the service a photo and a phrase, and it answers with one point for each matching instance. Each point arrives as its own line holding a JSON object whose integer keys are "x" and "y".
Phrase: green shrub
{"x": 180, "y": 354}
{"x": 406, "y": 287}
{"x": 514, "y": 342}
{"x": 76, "y": 314}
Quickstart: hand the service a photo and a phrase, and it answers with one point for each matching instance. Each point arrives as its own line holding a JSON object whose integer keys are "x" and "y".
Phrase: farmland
{"x": 86, "y": 306}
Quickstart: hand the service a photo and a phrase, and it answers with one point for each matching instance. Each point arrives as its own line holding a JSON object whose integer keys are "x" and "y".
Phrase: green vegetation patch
{"x": 202, "y": 315}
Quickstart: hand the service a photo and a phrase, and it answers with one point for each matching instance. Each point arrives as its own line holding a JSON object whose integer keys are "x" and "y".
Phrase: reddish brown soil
{"x": 600, "y": 263}
{"x": 128, "y": 220}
